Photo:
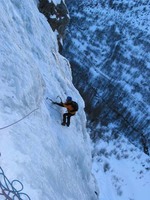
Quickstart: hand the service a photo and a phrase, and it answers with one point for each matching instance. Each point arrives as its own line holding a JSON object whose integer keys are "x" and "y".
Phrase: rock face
{"x": 109, "y": 50}
{"x": 57, "y": 16}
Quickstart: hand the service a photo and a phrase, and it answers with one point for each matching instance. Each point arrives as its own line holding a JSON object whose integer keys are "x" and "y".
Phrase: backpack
{"x": 75, "y": 105}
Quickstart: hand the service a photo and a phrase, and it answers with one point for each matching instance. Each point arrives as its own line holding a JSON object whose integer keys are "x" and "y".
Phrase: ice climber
{"x": 72, "y": 108}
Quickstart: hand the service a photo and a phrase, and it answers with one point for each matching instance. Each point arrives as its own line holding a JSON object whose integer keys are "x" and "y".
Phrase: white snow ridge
{"x": 51, "y": 161}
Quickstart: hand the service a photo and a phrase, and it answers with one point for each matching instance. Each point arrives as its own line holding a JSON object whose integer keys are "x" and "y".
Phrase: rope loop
{"x": 10, "y": 190}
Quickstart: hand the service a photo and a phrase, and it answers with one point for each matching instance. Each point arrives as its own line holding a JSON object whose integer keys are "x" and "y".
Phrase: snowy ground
{"x": 52, "y": 162}
{"x": 122, "y": 171}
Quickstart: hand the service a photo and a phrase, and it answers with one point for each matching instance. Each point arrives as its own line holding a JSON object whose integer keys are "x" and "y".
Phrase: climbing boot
{"x": 63, "y": 123}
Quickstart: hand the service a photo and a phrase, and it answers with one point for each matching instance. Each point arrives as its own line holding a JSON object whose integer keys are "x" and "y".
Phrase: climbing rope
{"x": 19, "y": 119}
{"x": 8, "y": 190}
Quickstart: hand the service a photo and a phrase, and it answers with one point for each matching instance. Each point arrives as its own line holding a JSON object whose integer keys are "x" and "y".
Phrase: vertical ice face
{"x": 52, "y": 162}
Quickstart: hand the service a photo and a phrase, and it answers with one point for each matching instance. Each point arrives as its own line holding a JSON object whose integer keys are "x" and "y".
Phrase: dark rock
{"x": 57, "y": 16}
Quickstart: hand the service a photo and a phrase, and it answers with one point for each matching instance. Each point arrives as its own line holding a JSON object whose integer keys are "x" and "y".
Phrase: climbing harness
{"x": 19, "y": 119}
{"x": 8, "y": 189}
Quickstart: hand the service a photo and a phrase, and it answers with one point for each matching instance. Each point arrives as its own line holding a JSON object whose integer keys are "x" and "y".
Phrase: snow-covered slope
{"x": 109, "y": 48}
{"x": 52, "y": 162}
{"x": 121, "y": 169}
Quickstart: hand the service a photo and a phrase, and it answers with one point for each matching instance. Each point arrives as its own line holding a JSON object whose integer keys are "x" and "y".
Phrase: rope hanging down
{"x": 8, "y": 190}
{"x": 19, "y": 119}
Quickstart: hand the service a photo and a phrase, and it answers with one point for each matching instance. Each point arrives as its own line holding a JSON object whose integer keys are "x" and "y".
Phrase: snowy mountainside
{"x": 122, "y": 170}
{"x": 112, "y": 44}
{"x": 51, "y": 161}
{"x": 108, "y": 46}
